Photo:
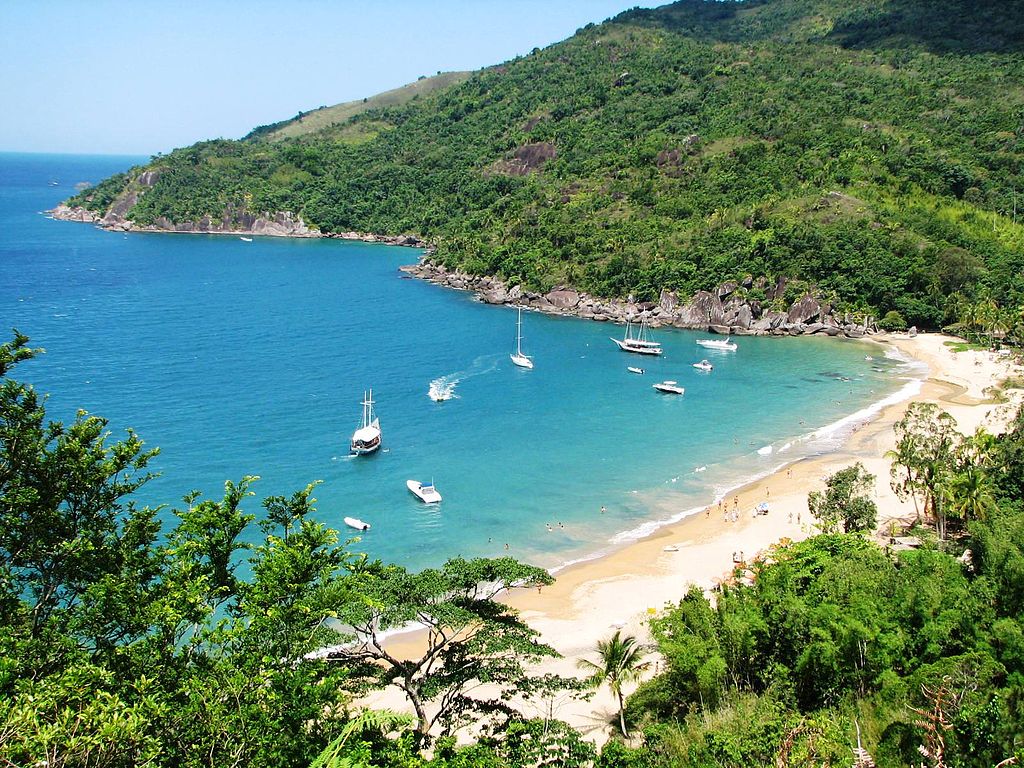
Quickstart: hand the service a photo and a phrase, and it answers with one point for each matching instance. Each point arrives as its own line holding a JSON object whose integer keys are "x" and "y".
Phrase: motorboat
{"x": 245, "y": 239}
{"x": 633, "y": 369}
{"x": 518, "y": 358}
{"x": 704, "y": 365}
{"x": 366, "y": 439}
{"x": 723, "y": 344}
{"x": 425, "y": 492}
{"x": 669, "y": 387}
{"x": 355, "y": 522}
{"x": 638, "y": 344}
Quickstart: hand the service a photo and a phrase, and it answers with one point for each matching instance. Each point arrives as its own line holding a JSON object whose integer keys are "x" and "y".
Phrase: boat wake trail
{"x": 443, "y": 387}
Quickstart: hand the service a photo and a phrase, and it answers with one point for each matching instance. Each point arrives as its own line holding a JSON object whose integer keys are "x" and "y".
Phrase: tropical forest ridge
{"x": 868, "y": 152}
{"x": 796, "y": 159}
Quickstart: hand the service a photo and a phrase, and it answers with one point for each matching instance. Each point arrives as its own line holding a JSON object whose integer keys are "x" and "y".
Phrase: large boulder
{"x": 806, "y": 309}
{"x": 702, "y": 310}
{"x": 563, "y": 299}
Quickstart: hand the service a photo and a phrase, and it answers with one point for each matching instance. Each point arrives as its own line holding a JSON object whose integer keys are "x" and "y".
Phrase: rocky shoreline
{"x": 725, "y": 310}
{"x": 282, "y": 224}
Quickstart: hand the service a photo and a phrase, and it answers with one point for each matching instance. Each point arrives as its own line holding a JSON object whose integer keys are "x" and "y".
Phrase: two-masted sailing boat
{"x": 518, "y": 357}
{"x": 366, "y": 439}
{"x": 639, "y": 343}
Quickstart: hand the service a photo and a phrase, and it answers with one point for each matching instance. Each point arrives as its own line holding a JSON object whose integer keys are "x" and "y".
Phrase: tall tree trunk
{"x": 622, "y": 715}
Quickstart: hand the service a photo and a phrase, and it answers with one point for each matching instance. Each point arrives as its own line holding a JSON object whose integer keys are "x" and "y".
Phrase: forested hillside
{"x": 872, "y": 148}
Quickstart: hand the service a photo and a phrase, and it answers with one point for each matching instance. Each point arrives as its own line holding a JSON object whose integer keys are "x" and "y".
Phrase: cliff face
{"x": 724, "y": 310}
{"x": 282, "y": 224}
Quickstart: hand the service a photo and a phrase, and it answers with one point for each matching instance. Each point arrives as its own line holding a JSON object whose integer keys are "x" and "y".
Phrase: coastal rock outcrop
{"x": 232, "y": 222}
{"x": 705, "y": 311}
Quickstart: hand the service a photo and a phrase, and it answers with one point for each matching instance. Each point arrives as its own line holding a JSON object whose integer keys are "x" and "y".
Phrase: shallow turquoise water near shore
{"x": 251, "y": 358}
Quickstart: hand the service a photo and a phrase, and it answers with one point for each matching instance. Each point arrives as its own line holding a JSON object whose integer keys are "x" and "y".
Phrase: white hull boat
{"x": 704, "y": 365}
{"x": 355, "y": 522}
{"x": 639, "y": 344}
{"x": 669, "y": 388}
{"x": 425, "y": 492}
{"x": 518, "y": 358}
{"x": 633, "y": 369}
{"x": 366, "y": 439}
{"x": 723, "y": 344}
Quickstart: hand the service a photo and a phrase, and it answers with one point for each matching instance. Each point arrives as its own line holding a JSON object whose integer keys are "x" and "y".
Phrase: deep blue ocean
{"x": 239, "y": 358}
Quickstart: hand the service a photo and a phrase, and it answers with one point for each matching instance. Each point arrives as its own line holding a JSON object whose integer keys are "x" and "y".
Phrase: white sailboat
{"x": 366, "y": 439}
{"x": 638, "y": 344}
{"x": 519, "y": 358}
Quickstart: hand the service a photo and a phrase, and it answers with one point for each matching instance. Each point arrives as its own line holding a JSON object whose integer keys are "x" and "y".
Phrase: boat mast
{"x": 519, "y": 334}
{"x": 367, "y": 407}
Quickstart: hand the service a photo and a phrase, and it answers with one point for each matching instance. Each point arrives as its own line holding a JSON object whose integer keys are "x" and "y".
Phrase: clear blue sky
{"x": 113, "y": 76}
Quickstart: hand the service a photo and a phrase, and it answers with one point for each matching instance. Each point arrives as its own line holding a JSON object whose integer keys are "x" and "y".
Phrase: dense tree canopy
{"x": 872, "y": 149}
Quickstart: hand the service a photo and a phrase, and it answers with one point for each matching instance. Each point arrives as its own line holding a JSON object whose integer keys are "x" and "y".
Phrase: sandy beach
{"x": 589, "y": 601}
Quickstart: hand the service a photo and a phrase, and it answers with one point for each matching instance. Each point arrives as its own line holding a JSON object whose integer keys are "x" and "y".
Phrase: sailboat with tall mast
{"x": 638, "y": 343}
{"x": 366, "y": 439}
{"x": 523, "y": 361}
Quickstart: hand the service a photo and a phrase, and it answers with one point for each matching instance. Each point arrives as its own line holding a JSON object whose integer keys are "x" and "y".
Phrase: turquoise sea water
{"x": 251, "y": 358}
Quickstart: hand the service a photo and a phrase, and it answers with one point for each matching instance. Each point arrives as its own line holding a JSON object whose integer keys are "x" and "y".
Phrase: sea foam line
{"x": 840, "y": 428}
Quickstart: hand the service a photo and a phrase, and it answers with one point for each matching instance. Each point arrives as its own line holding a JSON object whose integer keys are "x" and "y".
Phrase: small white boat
{"x": 669, "y": 388}
{"x": 245, "y": 239}
{"x": 518, "y": 358}
{"x": 355, "y": 522}
{"x": 670, "y": 548}
{"x": 425, "y": 492}
{"x": 724, "y": 344}
{"x": 633, "y": 369}
{"x": 366, "y": 439}
{"x": 638, "y": 344}
{"x": 704, "y": 365}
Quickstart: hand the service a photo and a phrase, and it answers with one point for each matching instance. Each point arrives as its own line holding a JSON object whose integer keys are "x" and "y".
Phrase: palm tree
{"x": 969, "y": 494}
{"x": 620, "y": 663}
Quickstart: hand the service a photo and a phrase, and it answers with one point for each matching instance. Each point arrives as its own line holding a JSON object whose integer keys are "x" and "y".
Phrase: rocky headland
{"x": 724, "y": 310}
{"x": 233, "y": 222}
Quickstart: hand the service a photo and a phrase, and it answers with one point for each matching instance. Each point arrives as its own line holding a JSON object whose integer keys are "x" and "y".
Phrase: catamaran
{"x": 638, "y": 344}
{"x": 718, "y": 344}
{"x": 366, "y": 439}
{"x": 519, "y": 358}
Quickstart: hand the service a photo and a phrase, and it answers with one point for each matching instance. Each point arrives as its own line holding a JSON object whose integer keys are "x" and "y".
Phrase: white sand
{"x": 622, "y": 590}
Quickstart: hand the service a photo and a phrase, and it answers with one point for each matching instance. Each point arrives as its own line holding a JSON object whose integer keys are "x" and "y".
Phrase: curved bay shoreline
{"x": 622, "y": 588}
{"x": 625, "y": 587}
{"x": 724, "y": 310}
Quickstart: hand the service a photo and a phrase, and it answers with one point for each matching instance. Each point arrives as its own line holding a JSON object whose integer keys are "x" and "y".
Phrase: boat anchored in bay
{"x": 669, "y": 387}
{"x": 366, "y": 439}
{"x": 425, "y": 492}
{"x": 723, "y": 344}
{"x": 523, "y": 361}
{"x": 638, "y": 344}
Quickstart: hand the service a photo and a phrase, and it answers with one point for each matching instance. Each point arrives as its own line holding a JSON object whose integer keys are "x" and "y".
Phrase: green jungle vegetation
{"x": 125, "y": 644}
{"x": 869, "y": 149}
